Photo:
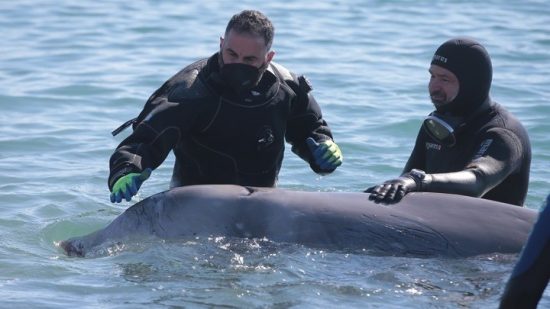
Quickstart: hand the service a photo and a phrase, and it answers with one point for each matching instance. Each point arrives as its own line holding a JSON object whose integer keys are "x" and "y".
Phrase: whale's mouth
{"x": 72, "y": 248}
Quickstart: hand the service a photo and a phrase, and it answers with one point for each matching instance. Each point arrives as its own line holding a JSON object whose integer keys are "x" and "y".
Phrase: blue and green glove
{"x": 128, "y": 185}
{"x": 327, "y": 154}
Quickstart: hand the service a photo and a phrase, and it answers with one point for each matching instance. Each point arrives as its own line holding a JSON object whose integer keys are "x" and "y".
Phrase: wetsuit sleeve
{"x": 152, "y": 139}
{"x": 498, "y": 154}
{"x": 532, "y": 272}
{"x": 306, "y": 120}
{"x": 417, "y": 158}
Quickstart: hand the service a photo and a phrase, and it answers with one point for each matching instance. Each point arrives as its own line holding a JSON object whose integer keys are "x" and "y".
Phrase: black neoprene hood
{"x": 471, "y": 64}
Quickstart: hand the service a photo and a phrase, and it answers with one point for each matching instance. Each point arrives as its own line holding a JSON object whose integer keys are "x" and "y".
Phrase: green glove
{"x": 327, "y": 154}
{"x": 128, "y": 185}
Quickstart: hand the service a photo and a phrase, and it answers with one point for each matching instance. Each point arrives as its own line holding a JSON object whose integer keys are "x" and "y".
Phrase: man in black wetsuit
{"x": 226, "y": 119}
{"x": 469, "y": 145}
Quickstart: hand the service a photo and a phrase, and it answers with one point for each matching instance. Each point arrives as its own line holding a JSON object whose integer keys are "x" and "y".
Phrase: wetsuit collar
{"x": 445, "y": 128}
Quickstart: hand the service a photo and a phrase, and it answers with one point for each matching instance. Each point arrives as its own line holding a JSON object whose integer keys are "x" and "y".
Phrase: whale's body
{"x": 422, "y": 224}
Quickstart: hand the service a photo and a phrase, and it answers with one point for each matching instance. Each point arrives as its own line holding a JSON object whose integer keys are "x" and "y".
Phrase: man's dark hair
{"x": 252, "y": 22}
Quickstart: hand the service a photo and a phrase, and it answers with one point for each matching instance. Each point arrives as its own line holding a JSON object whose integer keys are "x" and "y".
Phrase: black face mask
{"x": 241, "y": 77}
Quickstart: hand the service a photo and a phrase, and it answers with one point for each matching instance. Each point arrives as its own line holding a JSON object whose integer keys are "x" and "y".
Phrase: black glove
{"x": 392, "y": 191}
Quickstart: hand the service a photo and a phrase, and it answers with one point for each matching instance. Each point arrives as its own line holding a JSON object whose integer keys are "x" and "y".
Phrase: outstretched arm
{"x": 149, "y": 145}
{"x": 497, "y": 156}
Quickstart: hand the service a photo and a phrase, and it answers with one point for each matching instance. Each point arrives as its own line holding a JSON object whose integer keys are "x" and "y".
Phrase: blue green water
{"x": 71, "y": 71}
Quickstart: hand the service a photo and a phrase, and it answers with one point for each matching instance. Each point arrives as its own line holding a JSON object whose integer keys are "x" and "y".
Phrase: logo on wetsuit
{"x": 483, "y": 148}
{"x": 265, "y": 138}
{"x": 432, "y": 146}
{"x": 439, "y": 58}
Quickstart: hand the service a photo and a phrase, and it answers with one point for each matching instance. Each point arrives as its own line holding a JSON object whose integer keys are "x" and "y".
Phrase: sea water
{"x": 72, "y": 71}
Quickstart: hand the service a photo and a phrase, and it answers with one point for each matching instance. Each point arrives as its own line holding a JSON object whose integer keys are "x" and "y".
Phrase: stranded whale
{"x": 422, "y": 224}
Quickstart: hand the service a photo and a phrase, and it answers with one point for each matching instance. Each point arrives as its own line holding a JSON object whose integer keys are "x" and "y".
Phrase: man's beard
{"x": 439, "y": 98}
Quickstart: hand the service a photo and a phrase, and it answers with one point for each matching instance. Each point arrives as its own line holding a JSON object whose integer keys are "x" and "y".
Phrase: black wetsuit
{"x": 217, "y": 136}
{"x": 532, "y": 271}
{"x": 494, "y": 146}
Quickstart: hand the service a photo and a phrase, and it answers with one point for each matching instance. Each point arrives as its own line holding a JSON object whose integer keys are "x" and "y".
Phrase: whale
{"x": 422, "y": 224}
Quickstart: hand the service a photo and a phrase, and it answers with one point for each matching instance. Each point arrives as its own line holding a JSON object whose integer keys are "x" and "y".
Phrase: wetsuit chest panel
{"x": 252, "y": 136}
{"x": 455, "y": 158}
{"x": 241, "y": 144}
{"x": 443, "y": 159}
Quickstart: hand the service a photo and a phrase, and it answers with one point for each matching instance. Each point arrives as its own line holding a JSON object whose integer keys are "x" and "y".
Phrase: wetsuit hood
{"x": 471, "y": 64}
